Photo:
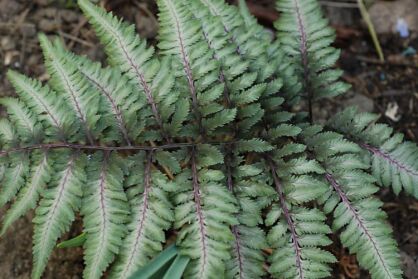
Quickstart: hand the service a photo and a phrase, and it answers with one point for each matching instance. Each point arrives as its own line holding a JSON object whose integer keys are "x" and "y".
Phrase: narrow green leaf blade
{"x": 73, "y": 242}
{"x": 176, "y": 270}
{"x": 155, "y": 265}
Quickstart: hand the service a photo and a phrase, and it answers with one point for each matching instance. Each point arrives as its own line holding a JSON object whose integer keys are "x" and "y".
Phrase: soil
{"x": 389, "y": 88}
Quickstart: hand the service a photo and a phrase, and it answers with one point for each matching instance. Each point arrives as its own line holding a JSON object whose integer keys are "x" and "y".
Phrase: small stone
{"x": 69, "y": 16}
{"x": 363, "y": 103}
{"x": 28, "y": 30}
{"x": 386, "y": 15}
{"x": 47, "y": 25}
{"x": 7, "y": 43}
{"x": 12, "y": 8}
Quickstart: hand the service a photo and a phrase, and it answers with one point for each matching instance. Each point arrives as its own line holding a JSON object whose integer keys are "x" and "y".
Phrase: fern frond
{"x": 204, "y": 212}
{"x": 251, "y": 43}
{"x": 131, "y": 55}
{"x": 49, "y": 109}
{"x": 356, "y": 212}
{"x": 8, "y": 136}
{"x": 228, "y": 14}
{"x": 14, "y": 177}
{"x": 57, "y": 208}
{"x": 305, "y": 36}
{"x": 25, "y": 123}
{"x": 243, "y": 182}
{"x": 297, "y": 232}
{"x": 105, "y": 211}
{"x": 251, "y": 23}
{"x": 394, "y": 162}
{"x": 250, "y": 39}
{"x": 240, "y": 86}
{"x": 83, "y": 99}
{"x": 28, "y": 196}
{"x": 199, "y": 139}
{"x": 121, "y": 107}
{"x": 181, "y": 36}
{"x": 152, "y": 214}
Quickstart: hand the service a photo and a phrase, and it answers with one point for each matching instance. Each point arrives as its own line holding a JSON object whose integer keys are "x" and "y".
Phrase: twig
{"x": 393, "y": 93}
{"x": 75, "y": 39}
{"x": 378, "y": 62}
{"x": 348, "y": 5}
{"x": 370, "y": 26}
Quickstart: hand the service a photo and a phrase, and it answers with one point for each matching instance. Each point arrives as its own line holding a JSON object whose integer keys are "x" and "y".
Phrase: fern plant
{"x": 197, "y": 139}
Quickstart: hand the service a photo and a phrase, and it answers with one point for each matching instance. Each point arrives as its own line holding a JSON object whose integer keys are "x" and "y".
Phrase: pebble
{"x": 387, "y": 16}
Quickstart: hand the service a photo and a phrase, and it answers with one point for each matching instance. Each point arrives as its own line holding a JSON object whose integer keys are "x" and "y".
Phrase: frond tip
{"x": 394, "y": 161}
{"x": 306, "y": 38}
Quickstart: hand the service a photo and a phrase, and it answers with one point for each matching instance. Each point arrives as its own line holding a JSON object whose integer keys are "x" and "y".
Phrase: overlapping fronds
{"x": 181, "y": 36}
{"x": 151, "y": 214}
{"x": 57, "y": 208}
{"x": 357, "y": 213}
{"x": 193, "y": 140}
{"x": 252, "y": 43}
{"x": 204, "y": 214}
{"x": 297, "y": 232}
{"x": 151, "y": 78}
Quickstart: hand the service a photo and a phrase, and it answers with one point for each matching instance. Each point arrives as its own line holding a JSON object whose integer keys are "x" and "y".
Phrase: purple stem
{"x": 287, "y": 214}
{"x": 386, "y": 156}
{"x": 188, "y": 70}
{"x": 198, "y": 203}
{"x": 143, "y": 83}
{"x": 115, "y": 108}
{"x": 235, "y": 231}
{"x": 141, "y": 221}
{"x": 303, "y": 48}
{"x": 337, "y": 187}
{"x": 47, "y": 146}
{"x": 102, "y": 190}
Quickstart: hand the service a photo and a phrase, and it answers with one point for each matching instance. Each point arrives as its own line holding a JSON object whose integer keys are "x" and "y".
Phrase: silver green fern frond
{"x": 357, "y": 213}
{"x": 306, "y": 38}
{"x": 297, "y": 233}
{"x": 197, "y": 142}
{"x": 105, "y": 211}
{"x": 204, "y": 214}
{"x": 132, "y": 56}
{"x": 51, "y": 110}
{"x": 59, "y": 203}
{"x": 29, "y": 194}
{"x": 147, "y": 191}
{"x": 83, "y": 100}
{"x": 394, "y": 161}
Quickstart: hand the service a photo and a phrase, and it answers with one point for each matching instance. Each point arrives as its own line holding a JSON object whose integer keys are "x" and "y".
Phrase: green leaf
{"x": 177, "y": 268}
{"x": 73, "y": 242}
{"x": 157, "y": 264}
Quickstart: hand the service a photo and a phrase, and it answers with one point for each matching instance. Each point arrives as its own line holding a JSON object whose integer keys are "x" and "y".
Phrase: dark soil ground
{"x": 389, "y": 88}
